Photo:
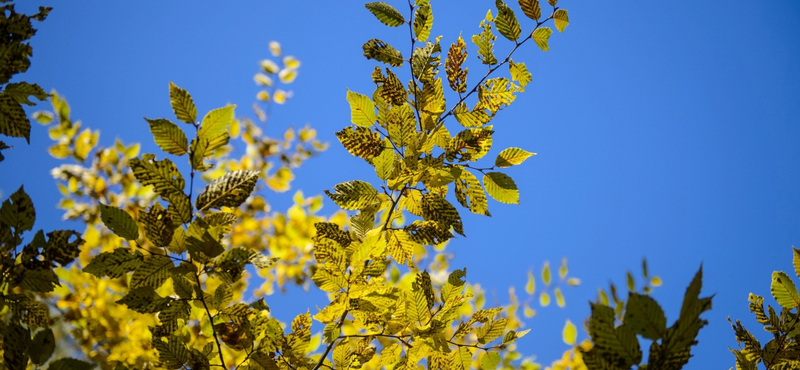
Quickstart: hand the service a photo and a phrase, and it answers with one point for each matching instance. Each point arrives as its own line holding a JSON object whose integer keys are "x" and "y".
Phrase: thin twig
{"x": 211, "y": 319}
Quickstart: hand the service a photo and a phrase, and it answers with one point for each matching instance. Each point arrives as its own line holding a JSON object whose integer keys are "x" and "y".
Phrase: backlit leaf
{"x": 172, "y": 353}
{"x": 561, "y": 19}
{"x": 541, "y": 36}
{"x": 511, "y": 157}
{"x": 13, "y": 120}
{"x": 506, "y": 21}
{"x": 230, "y": 190}
{"x": 382, "y": 52}
{"x": 361, "y": 142}
{"x": 353, "y": 195}
{"x": 519, "y": 73}
{"x": 385, "y": 13}
{"x": 530, "y": 286}
{"x": 531, "y": 9}
{"x": 119, "y": 222}
{"x": 544, "y": 299}
{"x": 216, "y": 122}
{"x": 423, "y": 22}
{"x": 470, "y": 194}
{"x": 384, "y": 164}
{"x": 560, "y": 302}
{"x": 169, "y": 137}
{"x": 485, "y": 41}
{"x": 490, "y": 360}
{"x": 796, "y": 260}
{"x": 114, "y": 264}
{"x": 362, "y": 110}
{"x": 784, "y": 290}
{"x": 153, "y": 272}
{"x": 163, "y": 175}
{"x": 501, "y": 187}
{"x": 619, "y": 344}
{"x": 182, "y": 104}
{"x": 456, "y": 75}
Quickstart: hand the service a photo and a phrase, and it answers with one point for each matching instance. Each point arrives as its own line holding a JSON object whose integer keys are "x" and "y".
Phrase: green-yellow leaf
{"x": 784, "y": 291}
{"x": 645, "y": 317}
{"x": 153, "y": 272}
{"x": 796, "y": 260}
{"x": 501, "y": 187}
{"x": 519, "y": 73}
{"x": 530, "y": 286}
{"x": 531, "y": 8}
{"x": 511, "y": 157}
{"x": 470, "y": 194}
{"x": 570, "y": 333}
{"x": 561, "y": 19}
{"x": 385, "y": 13}
{"x": 362, "y": 110}
{"x": 361, "y": 142}
{"x": 169, "y": 137}
{"x": 490, "y": 360}
{"x": 119, "y": 222}
{"x": 544, "y": 299}
{"x": 541, "y": 36}
{"x": 216, "y": 122}
{"x": 182, "y": 104}
{"x": 230, "y": 190}
{"x": 423, "y": 22}
{"x": 382, "y": 52}
{"x": 559, "y": 297}
{"x": 506, "y": 21}
{"x": 114, "y": 264}
{"x": 384, "y": 164}
{"x": 353, "y": 195}
{"x": 485, "y": 41}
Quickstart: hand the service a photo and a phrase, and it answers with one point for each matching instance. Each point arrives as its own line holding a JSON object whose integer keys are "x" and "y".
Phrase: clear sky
{"x": 663, "y": 129}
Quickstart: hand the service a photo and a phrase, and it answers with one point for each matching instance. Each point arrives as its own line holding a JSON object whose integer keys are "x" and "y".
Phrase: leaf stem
{"x": 211, "y": 319}
{"x": 330, "y": 345}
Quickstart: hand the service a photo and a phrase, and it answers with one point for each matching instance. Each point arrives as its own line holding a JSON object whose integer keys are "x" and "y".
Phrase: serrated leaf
{"x": 353, "y": 195}
{"x": 114, "y": 264}
{"x": 362, "y": 110}
{"x": 382, "y": 52}
{"x": 796, "y": 260}
{"x": 496, "y": 93}
{"x": 182, "y": 104}
{"x": 42, "y": 346}
{"x": 501, "y": 187}
{"x": 423, "y": 22}
{"x": 618, "y": 345}
{"x": 511, "y": 157}
{"x": 531, "y": 8}
{"x": 222, "y": 296}
{"x": 15, "y": 346}
{"x": 784, "y": 290}
{"x": 153, "y": 272}
{"x": 470, "y": 194}
{"x": 329, "y": 281}
{"x": 541, "y": 36}
{"x": 456, "y": 56}
{"x": 178, "y": 242}
{"x": 506, "y": 21}
{"x": 471, "y": 118}
{"x": 570, "y": 333}
{"x": 163, "y": 175}
{"x": 22, "y": 91}
{"x": 13, "y": 120}
{"x": 645, "y": 317}
{"x": 230, "y": 190}
{"x": 436, "y": 208}
{"x": 216, "y": 122}
{"x": 172, "y": 353}
{"x": 158, "y": 225}
{"x": 401, "y": 124}
{"x": 168, "y": 136}
{"x": 18, "y": 211}
{"x": 119, "y": 222}
{"x": 491, "y": 330}
{"x": 144, "y": 299}
{"x": 41, "y": 281}
{"x": 561, "y": 19}
{"x": 384, "y": 164}
{"x": 519, "y": 73}
{"x": 361, "y": 142}
{"x": 70, "y": 364}
{"x": 490, "y": 360}
{"x": 485, "y": 41}
{"x": 385, "y": 13}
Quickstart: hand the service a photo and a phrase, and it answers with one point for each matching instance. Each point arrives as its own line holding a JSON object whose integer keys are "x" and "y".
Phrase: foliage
{"x": 781, "y": 351}
{"x": 15, "y": 29}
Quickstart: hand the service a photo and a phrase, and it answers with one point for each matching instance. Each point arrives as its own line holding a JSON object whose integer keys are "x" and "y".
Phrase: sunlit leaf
{"x": 541, "y": 36}
{"x": 169, "y": 137}
{"x": 362, "y": 110}
{"x": 182, "y": 104}
{"x": 784, "y": 290}
{"x": 230, "y": 190}
{"x": 570, "y": 333}
{"x": 423, "y": 22}
{"x": 382, "y": 52}
{"x": 561, "y": 19}
{"x": 385, "y": 13}
{"x": 506, "y": 21}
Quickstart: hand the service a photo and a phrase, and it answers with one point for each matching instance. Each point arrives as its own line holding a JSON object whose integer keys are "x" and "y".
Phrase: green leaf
{"x": 619, "y": 345}
{"x": 22, "y": 91}
{"x": 18, "y": 212}
{"x": 541, "y": 36}
{"x": 230, "y": 190}
{"x": 216, "y": 122}
{"x": 423, "y": 22}
{"x": 519, "y": 73}
{"x": 561, "y": 19}
{"x": 784, "y": 291}
{"x": 153, "y": 272}
{"x": 41, "y": 281}
{"x": 402, "y": 125}
{"x": 570, "y": 333}
{"x": 144, "y": 299}
{"x": 454, "y": 285}
{"x": 223, "y": 296}
{"x": 490, "y": 360}
{"x": 329, "y": 281}
{"x": 114, "y": 264}
{"x": 511, "y": 157}
{"x": 485, "y": 41}
{"x": 630, "y": 281}
{"x": 70, "y": 364}
{"x": 169, "y": 137}
{"x": 382, "y": 52}
{"x": 178, "y": 243}
{"x": 158, "y": 226}
{"x": 385, "y": 13}
{"x": 362, "y": 110}
{"x": 119, "y": 222}
{"x": 15, "y": 346}
{"x": 163, "y": 175}
{"x": 182, "y": 104}
{"x": 645, "y": 317}
{"x": 172, "y": 353}
{"x": 42, "y": 346}
{"x": 501, "y": 187}
{"x": 361, "y": 142}
{"x": 531, "y": 8}
{"x": 506, "y": 21}
{"x": 796, "y": 261}
{"x": 353, "y": 195}
{"x": 13, "y": 120}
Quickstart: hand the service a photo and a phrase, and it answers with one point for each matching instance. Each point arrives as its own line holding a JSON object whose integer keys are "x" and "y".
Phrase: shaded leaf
{"x": 382, "y": 52}
{"x": 230, "y": 190}
{"x": 119, "y": 222}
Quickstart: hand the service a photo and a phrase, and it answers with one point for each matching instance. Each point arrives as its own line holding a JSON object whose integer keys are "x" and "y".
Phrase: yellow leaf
{"x": 561, "y": 19}
{"x": 570, "y": 333}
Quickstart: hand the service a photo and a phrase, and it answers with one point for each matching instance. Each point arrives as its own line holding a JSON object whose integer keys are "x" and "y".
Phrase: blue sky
{"x": 663, "y": 131}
